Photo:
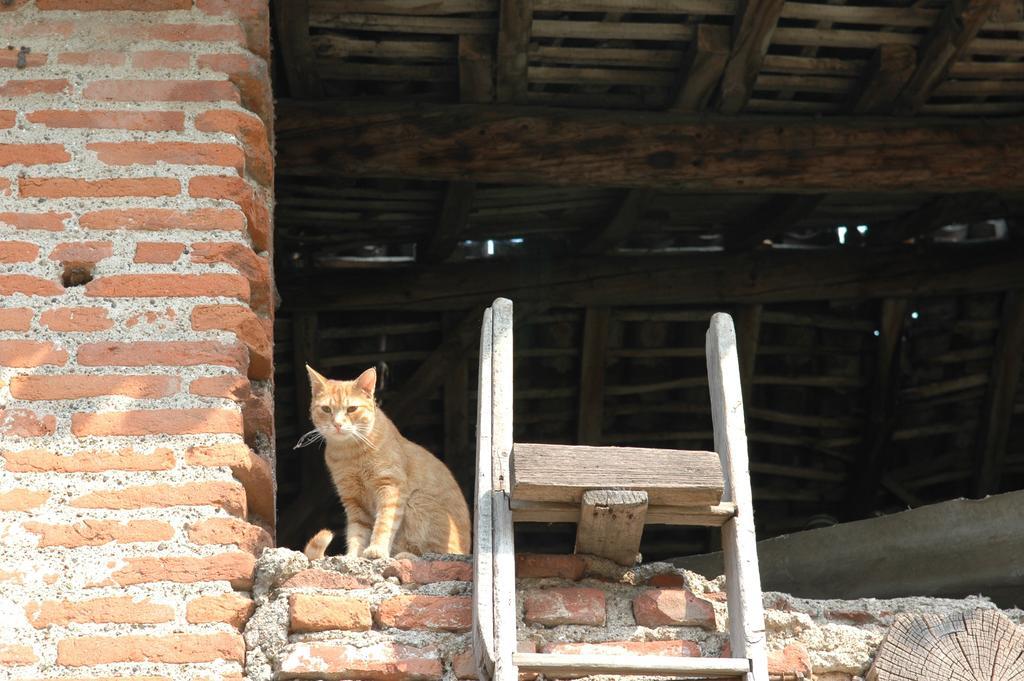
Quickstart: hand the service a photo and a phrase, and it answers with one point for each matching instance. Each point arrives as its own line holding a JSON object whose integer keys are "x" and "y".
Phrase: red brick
{"x": 22, "y": 499}
{"x": 161, "y": 59}
{"x": 464, "y": 664}
{"x": 98, "y": 58}
{"x": 308, "y": 612}
{"x": 169, "y": 648}
{"x": 171, "y": 353}
{"x": 792, "y": 662}
{"x": 88, "y": 461}
{"x": 60, "y": 187}
{"x": 15, "y": 318}
{"x": 429, "y": 571}
{"x": 32, "y": 154}
{"x": 25, "y": 423}
{"x": 666, "y": 648}
{"x": 324, "y": 579}
{"x": 433, "y": 613}
{"x": 161, "y": 91}
{"x": 11, "y": 58}
{"x": 192, "y": 33}
{"x": 254, "y": 268}
{"x": 246, "y": 326}
{"x": 27, "y": 88}
{"x": 51, "y": 222}
{"x": 230, "y": 609}
{"x": 29, "y": 285}
{"x": 236, "y": 189}
{"x": 93, "y": 532}
{"x": 253, "y": 472}
{"x": 18, "y": 251}
{"x": 572, "y": 605}
{"x": 227, "y": 495}
{"x": 536, "y": 566}
{"x": 258, "y": 416}
{"x": 15, "y": 654}
{"x": 228, "y": 386}
{"x": 8, "y": 118}
{"x": 103, "y": 5}
{"x": 250, "y": 131}
{"x": 674, "y": 607}
{"x": 246, "y": 536}
{"x": 76, "y": 386}
{"x": 25, "y": 354}
{"x": 82, "y": 251}
{"x": 112, "y": 610}
{"x": 158, "y": 252}
{"x": 169, "y": 285}
{"x": 382, "y": 661}
{"x": 77, "y": 319}
{"x": 152, "y": 121}
{"x": 252, "y": 14}
{"x": 673, "y": 580}
{"x": 177, "y": 153}
{"x": 156, "y": 422}
{"x": 236, "y": 568}
{"x": 157, "y": 219}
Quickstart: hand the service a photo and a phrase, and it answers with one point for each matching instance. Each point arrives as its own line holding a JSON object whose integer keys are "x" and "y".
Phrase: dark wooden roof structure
{"x": 845, "y": 177}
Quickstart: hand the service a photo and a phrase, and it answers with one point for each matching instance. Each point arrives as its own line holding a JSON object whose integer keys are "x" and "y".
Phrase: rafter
{"x": 458, "y": 201}
{"x": 939, "y": 212}
{"x": 779, "y": 214}
{"x": 886, "y": 75}
{"x": 292, "y": 22}
{"x": 702, "y": 67}
{"x": 594, "y": 356}
{"x": 617, "y": 230}
{"x": 751, "y": 35}
{"x": 515, "y": 18}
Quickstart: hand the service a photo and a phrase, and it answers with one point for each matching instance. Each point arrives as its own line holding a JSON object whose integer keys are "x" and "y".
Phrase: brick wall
{"x": 135, "y": 307}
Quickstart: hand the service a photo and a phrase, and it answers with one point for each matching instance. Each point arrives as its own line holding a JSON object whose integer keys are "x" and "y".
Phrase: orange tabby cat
{"x": 398, "y": 497}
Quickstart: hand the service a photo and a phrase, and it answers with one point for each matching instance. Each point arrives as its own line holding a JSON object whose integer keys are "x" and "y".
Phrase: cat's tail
{"x": 317, "y": 546}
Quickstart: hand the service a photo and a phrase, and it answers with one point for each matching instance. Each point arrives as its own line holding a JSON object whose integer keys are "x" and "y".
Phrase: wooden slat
{"x": 956, "y": 26}
{"x": 888, "y": 72}
{"x": 485, "y": 143}
{"x": 702, "y": 67}
{"x": 514, "y": 21}
{"x": 999, "y": 398}
{"x": 613, "y": 233}
{"x": 564, "y": 512}
{"x": 574, "y": 666}
{"x": 739, "y": 542}
{"x": 611, "y": 524}
{"x": 780, "y": 213}
{"x": 292, "y": 22}
{"x": 483, "y": 527}
{"x": 563, "y": 472}
{"x": 594, "y": 354}
{"x": 752, "y": 34}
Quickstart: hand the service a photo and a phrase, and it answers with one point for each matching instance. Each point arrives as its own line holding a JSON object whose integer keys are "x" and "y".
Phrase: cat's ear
{"x": 367, "y": 381}
{"x": 316, "y": 381}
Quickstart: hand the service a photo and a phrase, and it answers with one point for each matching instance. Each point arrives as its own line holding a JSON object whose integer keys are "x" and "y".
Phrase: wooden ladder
{"x": 610, "y": 498}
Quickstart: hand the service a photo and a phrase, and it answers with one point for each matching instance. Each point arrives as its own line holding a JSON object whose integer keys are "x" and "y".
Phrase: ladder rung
{"x": 574, "y": 666}
{"x": 558, "y": 512}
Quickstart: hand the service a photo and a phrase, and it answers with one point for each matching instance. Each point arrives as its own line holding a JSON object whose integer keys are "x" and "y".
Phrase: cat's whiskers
{"x": 309, "y": 438}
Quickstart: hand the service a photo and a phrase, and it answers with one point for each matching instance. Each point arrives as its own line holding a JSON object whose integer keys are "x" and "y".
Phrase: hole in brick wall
{"x": 76, "y": 274}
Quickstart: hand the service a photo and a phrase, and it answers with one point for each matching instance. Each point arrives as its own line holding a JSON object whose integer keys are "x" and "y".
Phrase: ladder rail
{"x": 569, "y": 666}
{"x": 483, "y": 571}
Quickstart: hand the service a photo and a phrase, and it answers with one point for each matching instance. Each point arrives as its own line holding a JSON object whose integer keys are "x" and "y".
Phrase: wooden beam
{"x": 779, "y": 214}
{"x": 956, "y": 26}
{"x": 617, "y": 230}
{"x": 937, "y": 213}
{"x": 1002, "y": 390}
{"x": 611, "y": 524}
{"x": 774, "y": 275}
{"x": 702, "y": 67}
{"x": 881, "y": 406}
{"x": 458, "y": 201}
{"x": 515, "y": 19}
{"x": 569, "y": 147}
{"x": 886, "y": 75}
{"x": 557, "y": 666}
{"x": 594, "y": 356}
{"x": 476, "y": 68}
{"x": 291, "y": 19}
{"x": 751, "y": 35}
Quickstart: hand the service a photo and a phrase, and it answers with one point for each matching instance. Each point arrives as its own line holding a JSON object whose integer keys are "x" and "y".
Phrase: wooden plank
{"x": 617, "y": 230}
{"x": 881, "y": 407}
{"x": 503, "y": 562}
{"x": 939, "y": 212}
{"x": 886, "y": 75}
{"x": 458, "y": 202}
{"x": 486, "y": 143}
{"x": 751, "y": 35}
{"x": 457, "y": 453}
{"x": 994, "y": 436}
{"x": 594, "y": 356}
{"x": 476, "y": 68}
{"x": 483, "y": 528}
{"x": 514, "y": 23}
{"x": 292, "y": 23}
{"x": 956, "y": 26}
{"x": 611, "y": 524}
{"x": 560, "y": 512}
{"x": 563, "y": 473}
{"x": 702, "y": 278}
{"x": 574, "y": 666}
{"x": 739, "y": 542}
{"x": 780, "y": 213}
{"x": 702, "y": 67}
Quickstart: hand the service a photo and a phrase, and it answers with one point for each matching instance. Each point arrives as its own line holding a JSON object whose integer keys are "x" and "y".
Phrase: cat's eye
{"x": 351, "y": 409}
{"x": 325, "y": 409}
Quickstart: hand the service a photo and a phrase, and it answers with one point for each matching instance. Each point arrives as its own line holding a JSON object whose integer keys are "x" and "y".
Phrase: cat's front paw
{"x": 375, "y": 552}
